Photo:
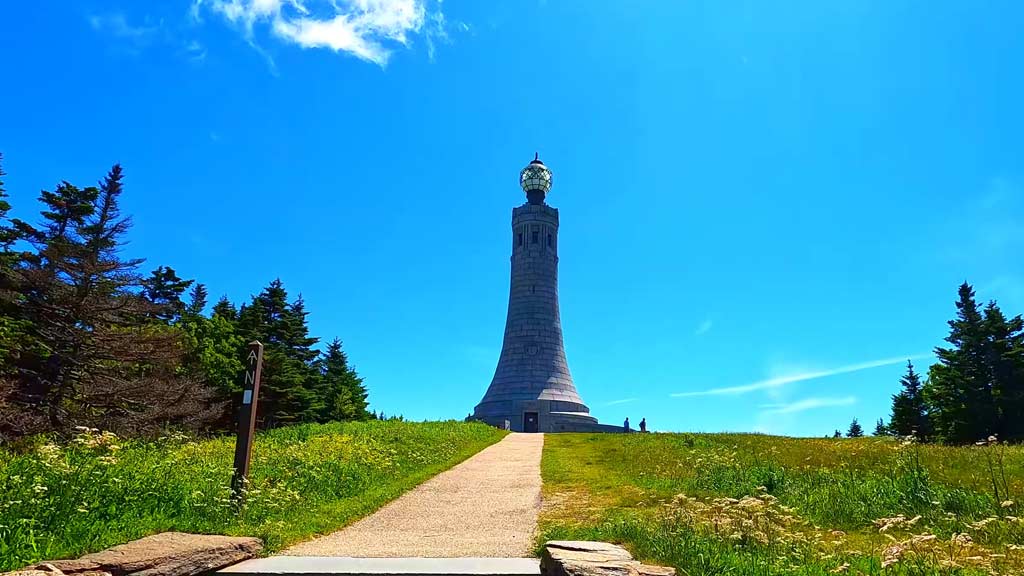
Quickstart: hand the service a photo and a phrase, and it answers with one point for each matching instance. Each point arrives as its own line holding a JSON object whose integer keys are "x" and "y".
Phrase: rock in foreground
{"x": 579, "y": 558}
{"x": 166, "y": 554}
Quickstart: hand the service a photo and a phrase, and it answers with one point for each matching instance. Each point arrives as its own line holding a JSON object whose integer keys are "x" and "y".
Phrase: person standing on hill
{"x": 643, "y": 424}
{"x": 625, "y": 425}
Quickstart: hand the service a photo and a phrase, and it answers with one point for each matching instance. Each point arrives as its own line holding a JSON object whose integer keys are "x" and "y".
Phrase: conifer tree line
{"x": 88, "y": 339}
{"x": 975, "y": 390}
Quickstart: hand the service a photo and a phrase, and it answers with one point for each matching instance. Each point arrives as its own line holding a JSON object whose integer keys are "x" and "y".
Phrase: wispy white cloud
{"x": 703, "y": 328}
{"x": 780, "y": 381}
{"x": 127, "y": 34}
{"x": 622, "y": 401}
{"x": 807, "y": 404}
{"x": 116, "y": 24}
{"x": 436, "y": 30}
{"x": 367, "y": 29}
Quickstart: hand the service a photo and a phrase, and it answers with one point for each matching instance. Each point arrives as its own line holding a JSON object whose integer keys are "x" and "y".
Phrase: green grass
{"x": 98, "y": 491}
{"x": 752, "y": 504}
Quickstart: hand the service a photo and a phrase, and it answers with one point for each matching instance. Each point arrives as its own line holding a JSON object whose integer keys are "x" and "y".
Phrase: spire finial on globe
{"x": 535, "y": 180}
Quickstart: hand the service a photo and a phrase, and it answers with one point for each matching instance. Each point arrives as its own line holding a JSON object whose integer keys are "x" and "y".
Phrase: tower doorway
{"x": 530, "y": 423}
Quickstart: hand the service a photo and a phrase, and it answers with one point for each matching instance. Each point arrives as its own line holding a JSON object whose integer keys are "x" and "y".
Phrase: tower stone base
{"x": 518, "y": 416}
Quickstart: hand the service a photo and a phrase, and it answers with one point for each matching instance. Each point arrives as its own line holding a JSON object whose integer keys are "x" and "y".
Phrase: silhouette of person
{"x": 643, "y": 424}
{"x": 625, "y": 425}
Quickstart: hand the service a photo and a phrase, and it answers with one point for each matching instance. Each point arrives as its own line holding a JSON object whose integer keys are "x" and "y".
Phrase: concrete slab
{"x": 335, "y": 565}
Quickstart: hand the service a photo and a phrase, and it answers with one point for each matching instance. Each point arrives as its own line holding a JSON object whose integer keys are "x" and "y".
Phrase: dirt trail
{"x": 485, "y": 507}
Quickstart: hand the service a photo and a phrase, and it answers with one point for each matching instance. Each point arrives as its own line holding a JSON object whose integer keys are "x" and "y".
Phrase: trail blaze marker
{"x": 247, "y": 417}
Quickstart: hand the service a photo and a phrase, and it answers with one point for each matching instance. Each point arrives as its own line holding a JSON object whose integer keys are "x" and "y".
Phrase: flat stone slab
{"x": 330, "y": 565}
{"x": 581, "y": 558}
{"x": 585, "y": 551}
{"x": 166, "y": 554}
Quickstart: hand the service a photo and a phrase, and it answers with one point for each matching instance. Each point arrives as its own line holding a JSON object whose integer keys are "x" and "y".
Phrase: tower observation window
{"x": 520, "y": 239}
{"x": 549, "y": 241}
{"x": 536, "y": 236}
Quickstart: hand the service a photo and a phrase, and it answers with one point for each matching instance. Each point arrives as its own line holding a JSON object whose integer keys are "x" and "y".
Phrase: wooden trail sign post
{"x": 247, "y": 418}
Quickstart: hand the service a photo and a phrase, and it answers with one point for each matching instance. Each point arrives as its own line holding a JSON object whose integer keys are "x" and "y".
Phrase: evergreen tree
{"x": 909, "y": 413}
{"x": 837, "y": 434}
{"x": 1005, "y": 359}
{"x": 212, "y": 345}
{"x": 85, "y": 340}
{"x": 225, "y": 309}
{"x": 163, "y": 289}
{"x": 99, "y": 366}
{"x": 8, "y": 233}
{"x": 15, "y": 331}
{"x": 196, "y": 300}
{"x": 959, "y": 389}
{"x": 48, "y": 279}
{"x": 854, "y": 431}
{"x": 341, "y": 388}
{"x": 881, "y": 429}
{"x": 290, "y": 379}
{"x": 212, "y": 351}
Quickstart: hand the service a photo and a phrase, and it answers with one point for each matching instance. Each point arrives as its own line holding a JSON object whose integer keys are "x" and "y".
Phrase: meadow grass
{"x": 750, "y": 504}
{"x": 59, "y": 501}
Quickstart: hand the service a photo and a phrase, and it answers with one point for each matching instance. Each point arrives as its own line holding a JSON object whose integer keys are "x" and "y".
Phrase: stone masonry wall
{"x": 532, "y": 365}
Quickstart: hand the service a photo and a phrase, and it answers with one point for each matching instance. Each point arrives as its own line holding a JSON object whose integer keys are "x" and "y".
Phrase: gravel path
{"x": 485, "y": 507}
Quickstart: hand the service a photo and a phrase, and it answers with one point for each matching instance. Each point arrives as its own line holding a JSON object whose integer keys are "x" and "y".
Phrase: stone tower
{"x": 532, "y": 388}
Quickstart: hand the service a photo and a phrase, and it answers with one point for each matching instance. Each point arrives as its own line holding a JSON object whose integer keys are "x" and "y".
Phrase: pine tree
{"x": 163, "y": 289}
{"x": 212, "y": 345}
{"x": 959, "y": 389}
{"x": 196, "y": 300}
{"x": 102, "y": 367}
{"x": 837, "y": 434}
{"x": 341, "y": 388}
{"x": 47, "y": 279}
{"x": 31, "y": 284}
{"x": 212, "y": 351}
{"x": 854, "y": 431}
{"x": 290, "y": 379}
{"x": 14, "y": 329}
{"x": 8, "y": 233}
{"x": 17, "y": 335}
{"x": 225, "y": 309}
{"x": 909, "y": 412}
{"x": 1005, "y": 359}
{"x": 881, "y": 429}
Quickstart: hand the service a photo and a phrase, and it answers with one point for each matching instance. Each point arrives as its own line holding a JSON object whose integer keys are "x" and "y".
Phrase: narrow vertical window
{"x": 536, "y": 236}
{"x": 520, "y": 239}
{"x": 550, "y": 243}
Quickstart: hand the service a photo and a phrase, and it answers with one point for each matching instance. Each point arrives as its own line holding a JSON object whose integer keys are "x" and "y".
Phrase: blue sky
{"x": 766, "y": 207}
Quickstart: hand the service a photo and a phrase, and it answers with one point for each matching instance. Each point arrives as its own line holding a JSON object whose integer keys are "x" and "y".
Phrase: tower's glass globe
{"x": 535, "y": 177}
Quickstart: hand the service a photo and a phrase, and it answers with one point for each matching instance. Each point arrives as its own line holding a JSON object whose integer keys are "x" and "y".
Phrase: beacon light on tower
{"x": 535, "y": 180}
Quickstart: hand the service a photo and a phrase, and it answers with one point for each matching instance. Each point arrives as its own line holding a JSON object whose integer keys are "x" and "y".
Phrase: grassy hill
{"x": 62, "y": 501}
{"x": 751, "y": 504}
